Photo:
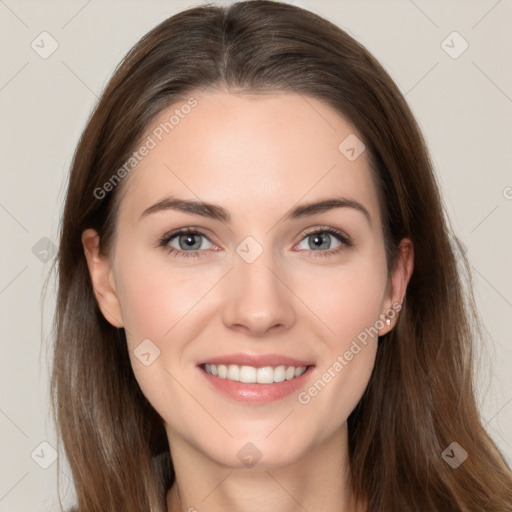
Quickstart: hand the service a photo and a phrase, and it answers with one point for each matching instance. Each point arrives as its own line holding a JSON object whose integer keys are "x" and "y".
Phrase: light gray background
{"x": 463, "y": 106}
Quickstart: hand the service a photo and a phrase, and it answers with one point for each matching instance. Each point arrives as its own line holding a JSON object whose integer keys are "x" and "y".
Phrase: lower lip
{"x": 256, "y": 393}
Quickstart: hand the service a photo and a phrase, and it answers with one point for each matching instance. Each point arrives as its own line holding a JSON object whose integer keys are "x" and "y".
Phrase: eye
{"x": 187, "y": 238}
{"x": 322, "y": 237}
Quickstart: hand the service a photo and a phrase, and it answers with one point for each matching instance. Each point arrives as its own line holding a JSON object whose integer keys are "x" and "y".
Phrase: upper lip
{"x": 258, "y": 361}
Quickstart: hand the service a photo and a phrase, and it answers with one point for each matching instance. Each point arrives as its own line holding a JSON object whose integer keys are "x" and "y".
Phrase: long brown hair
{"x": 420, "y": 397}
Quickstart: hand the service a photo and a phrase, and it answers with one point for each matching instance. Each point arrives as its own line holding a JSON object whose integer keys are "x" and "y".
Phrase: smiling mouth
{"x": 253, "y": 375}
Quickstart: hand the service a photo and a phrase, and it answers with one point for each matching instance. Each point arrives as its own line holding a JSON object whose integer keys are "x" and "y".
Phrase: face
{"x": 257, "y": 283}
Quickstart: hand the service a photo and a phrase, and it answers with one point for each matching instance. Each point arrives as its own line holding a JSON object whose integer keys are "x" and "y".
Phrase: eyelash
{"x": 341, "y": 237}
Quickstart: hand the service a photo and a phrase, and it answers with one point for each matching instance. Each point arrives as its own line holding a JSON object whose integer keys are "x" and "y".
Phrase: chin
{"x": 257, "y": 452}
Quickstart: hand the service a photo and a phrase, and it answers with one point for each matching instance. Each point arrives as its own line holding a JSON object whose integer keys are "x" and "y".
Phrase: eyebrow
{"x": 216, "y": 212}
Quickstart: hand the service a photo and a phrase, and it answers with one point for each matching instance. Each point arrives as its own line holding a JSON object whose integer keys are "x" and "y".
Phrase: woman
{"x": 209, "y": 353}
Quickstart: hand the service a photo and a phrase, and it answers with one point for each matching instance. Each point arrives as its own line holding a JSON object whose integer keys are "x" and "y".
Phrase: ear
{"x": 102, "y": 278}
{"x": 398, "y": 284}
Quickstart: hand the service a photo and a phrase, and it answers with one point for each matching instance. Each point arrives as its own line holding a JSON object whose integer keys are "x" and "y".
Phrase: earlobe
{"x": 401, "y": 275}
{"x": 102, "y": 278}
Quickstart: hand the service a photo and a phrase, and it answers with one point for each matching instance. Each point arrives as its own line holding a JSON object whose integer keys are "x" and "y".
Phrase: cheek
{"x": 349, "y": 307}
{"x": 158, "y": 304}
{"x": 155, "y": 298}
{"x": 348, "y": 301}
{"x": 169, "y": 307}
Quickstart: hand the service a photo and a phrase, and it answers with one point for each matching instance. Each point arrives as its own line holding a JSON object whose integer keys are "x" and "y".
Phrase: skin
{"x": 256, "y": 156}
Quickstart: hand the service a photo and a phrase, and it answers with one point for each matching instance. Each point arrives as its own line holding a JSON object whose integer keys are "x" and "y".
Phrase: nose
{"x": 257, "y": 297}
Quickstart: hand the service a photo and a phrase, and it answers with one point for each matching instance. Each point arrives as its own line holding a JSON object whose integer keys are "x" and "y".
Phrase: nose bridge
{"x": 256, "y": 297}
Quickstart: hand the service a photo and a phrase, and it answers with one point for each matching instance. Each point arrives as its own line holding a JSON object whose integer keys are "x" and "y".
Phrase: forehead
{"x": 249, "y": 153}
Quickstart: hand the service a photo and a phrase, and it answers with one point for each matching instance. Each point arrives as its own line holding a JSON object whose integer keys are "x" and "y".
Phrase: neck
{"x": 318, "y": 481}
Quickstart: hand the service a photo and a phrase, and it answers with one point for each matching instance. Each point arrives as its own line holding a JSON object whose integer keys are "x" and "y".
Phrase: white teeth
{"x": 252, "y": 375}
{"x": 222, "y": 370}
{"x": 290, "y": 373}
{"x": 265, "y": 375}
{"x": 299, "y": 371}
{"x": 248, "y": 374}
{"x": 280, "y": 373}
{"x": 233, "y": 372}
